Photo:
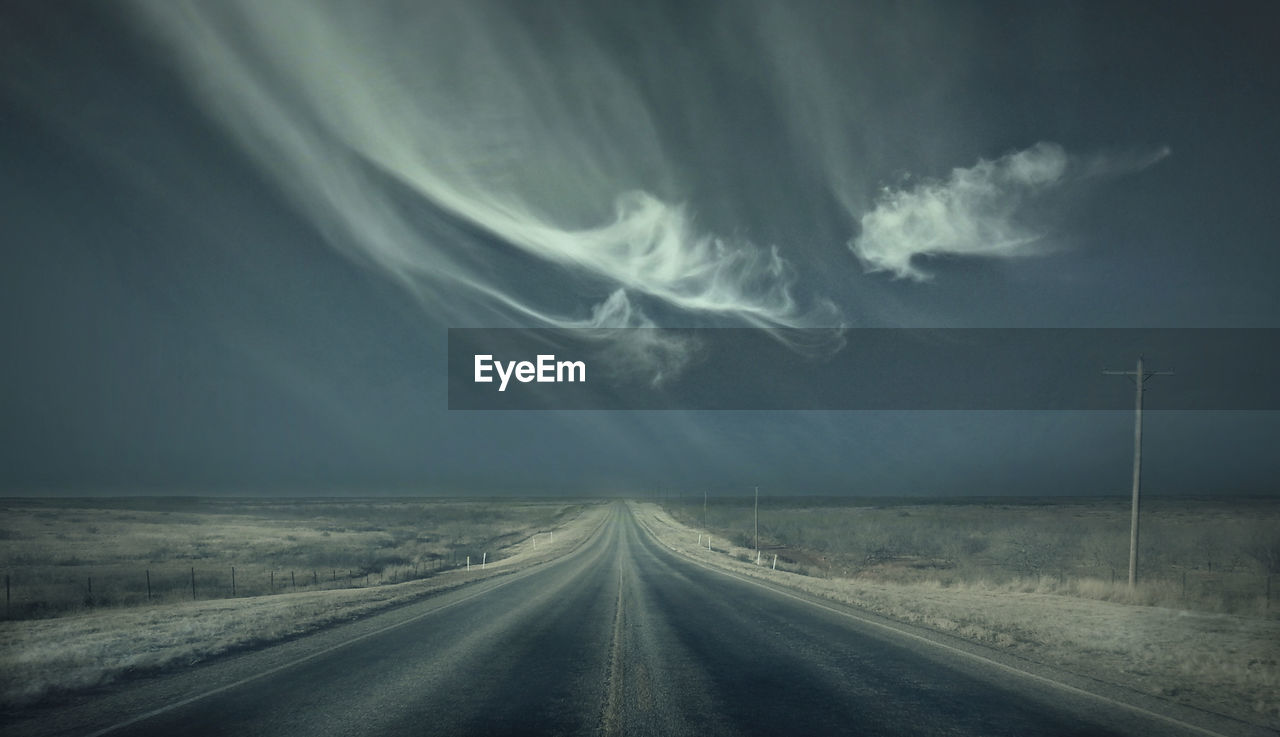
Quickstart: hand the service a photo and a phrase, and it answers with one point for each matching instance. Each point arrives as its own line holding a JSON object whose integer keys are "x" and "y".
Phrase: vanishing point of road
{"x": 619, "y": 637}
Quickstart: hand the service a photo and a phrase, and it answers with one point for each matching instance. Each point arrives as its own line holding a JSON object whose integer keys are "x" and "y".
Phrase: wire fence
{"x": 45, "y": 591}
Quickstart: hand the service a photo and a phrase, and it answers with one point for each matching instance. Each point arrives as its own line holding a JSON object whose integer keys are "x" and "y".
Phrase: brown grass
{"x": 89, "y": 647}
{"x": 65, "y": 556}
{"x": 1201, "y": 554}
{"x": 1226, "y": 663}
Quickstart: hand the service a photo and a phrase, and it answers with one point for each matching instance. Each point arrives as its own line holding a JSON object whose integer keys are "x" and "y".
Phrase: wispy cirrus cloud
{"x": 371, "y": 116}
{"x": 978, "y": 210}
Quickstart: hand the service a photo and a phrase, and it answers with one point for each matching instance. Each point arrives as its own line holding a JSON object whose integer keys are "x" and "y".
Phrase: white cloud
{"x": 974, "y": 212}
{"x": 364, "y": 116}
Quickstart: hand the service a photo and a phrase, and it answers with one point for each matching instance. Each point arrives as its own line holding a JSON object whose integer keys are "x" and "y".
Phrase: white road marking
{"x": 227, "y": 687}
{"x": 958, "y": 651}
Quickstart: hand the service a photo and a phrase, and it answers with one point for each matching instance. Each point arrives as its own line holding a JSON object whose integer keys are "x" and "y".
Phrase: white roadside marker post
{"x": 484, "y": 561}
{"x": 468, "y": 562}
{"x": 775, "y": 561}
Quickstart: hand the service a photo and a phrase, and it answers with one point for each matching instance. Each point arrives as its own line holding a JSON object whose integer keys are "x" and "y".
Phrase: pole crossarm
{"x": 1145, "y": 374}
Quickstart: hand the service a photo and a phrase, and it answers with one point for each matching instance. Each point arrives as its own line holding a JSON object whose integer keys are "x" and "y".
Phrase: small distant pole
{"x": 273, "y": 582}
{"x": 1139, "y": 376}
{"x": 193, "y": 583}
{"x": 6, "y": 596}
{"x": 293, "y": 581}
{"x": 148, "y": 584}
{"x": 775, "y": 561}
{"x": 757, "y": 525}
{"x": 468, "y": 562}
{"x": 233, "y": 582}
{"x": 704, "y": 510}
{"x": 484, "y": 560}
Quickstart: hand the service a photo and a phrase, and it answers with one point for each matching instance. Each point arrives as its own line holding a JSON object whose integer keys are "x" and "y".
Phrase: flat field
{"x": 63, "y": 556}
{"x": 378, "y": 553}
{"x": 1203, "y": 554}
{"x": 1228, "y": 663}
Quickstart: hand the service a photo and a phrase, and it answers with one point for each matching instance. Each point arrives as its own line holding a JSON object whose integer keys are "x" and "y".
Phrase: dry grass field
{"x": 1212, "y": 555}
{"x": 965, "y": 569}
{"x": 85, "y": 646}
{"x": 63, "y": 556}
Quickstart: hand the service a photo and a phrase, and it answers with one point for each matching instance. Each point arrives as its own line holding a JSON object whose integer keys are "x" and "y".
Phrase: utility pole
{"x": 704, "y": 510}
{"x": 1140, "y": 376}
{"x": 757, "y": 524}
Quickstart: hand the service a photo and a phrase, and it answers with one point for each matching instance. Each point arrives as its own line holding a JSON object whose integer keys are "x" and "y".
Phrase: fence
{"x": 46, "y": 591}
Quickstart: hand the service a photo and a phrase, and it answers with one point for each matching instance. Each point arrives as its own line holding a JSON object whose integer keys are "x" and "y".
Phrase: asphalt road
{"x": 620, "y": 637}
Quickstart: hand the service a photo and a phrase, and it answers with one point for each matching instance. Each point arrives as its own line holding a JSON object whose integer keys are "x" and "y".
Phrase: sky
{"x": 234, "y": 234}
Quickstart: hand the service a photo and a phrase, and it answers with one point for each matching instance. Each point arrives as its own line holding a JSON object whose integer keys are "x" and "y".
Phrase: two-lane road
{"x": 620, "y": 637}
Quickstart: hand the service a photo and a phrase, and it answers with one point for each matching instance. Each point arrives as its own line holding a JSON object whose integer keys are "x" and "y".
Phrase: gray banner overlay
{"x": 861, "y": 369}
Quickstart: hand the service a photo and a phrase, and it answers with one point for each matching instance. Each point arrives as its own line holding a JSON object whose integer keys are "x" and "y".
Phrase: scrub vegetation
{"x": 86, "y": 646}
{"x": 1156, "y": 641}
{"x": 64, "y": 556}
{"x": 1215, "y": 555}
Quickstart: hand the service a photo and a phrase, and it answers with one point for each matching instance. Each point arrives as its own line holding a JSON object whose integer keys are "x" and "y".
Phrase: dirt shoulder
{"x": 1220, "y": 663}
{"x": 43, "y": 657}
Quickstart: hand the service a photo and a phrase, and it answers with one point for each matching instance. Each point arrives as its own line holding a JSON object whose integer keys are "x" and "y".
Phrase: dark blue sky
{"x": 234, "y": 233}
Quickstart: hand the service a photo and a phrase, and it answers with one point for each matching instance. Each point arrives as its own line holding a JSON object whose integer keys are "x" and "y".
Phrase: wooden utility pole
{"x": 704, "y": 511}
{"x": 1140, "y": 376}
{"x": 757, "y": 524}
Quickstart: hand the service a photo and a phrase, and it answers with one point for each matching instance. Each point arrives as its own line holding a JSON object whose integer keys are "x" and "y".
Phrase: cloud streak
{"x": 428, "y": 146}
{"x": 977, "y": 211}
{"x": 510, "y": 166}
{"x": 973, "y": 212}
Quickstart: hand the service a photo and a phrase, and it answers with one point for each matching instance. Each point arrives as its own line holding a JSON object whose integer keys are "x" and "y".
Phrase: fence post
{"x": 315, "y": 580}
{"x": 193, "y": 583}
